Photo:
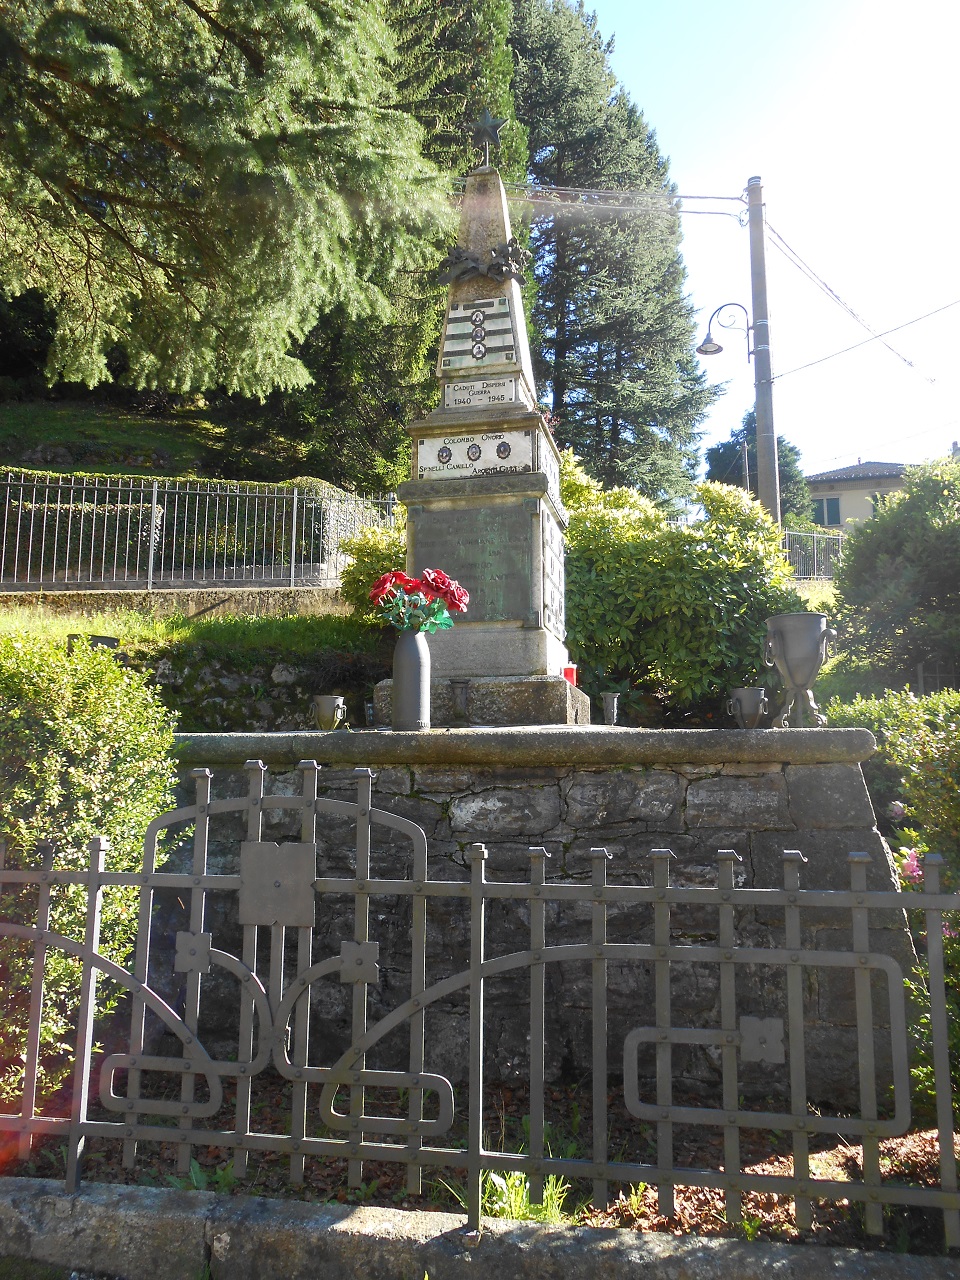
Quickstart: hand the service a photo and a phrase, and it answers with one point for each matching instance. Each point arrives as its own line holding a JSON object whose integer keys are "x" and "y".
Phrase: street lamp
{"x": 768, "y": 471}
{"x": 708, "y": 347}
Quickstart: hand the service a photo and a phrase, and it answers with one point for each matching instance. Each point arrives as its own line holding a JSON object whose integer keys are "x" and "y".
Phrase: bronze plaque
{"x": 489, "y": 550}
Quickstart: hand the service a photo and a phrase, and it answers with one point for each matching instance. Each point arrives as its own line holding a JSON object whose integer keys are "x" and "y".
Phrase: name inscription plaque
{"x": 490, "y": 453}
{"x": 488, "y": 549}
{"x": 481, "y": 392}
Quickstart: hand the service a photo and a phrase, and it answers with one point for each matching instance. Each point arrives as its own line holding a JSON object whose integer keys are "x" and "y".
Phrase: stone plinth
{"x": 630, "y": 791}
{"x": 495, "y": 701}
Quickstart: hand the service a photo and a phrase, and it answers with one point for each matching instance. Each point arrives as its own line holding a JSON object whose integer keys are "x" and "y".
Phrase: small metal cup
{"x": 329, "y": 711}
{"x": 460, "y": 691}
{"x": 748, "y": 707}
{"x": 609, "y": 701}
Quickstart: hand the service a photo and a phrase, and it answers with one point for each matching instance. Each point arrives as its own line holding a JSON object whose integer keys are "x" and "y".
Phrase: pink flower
{"x": 911, "y": 868}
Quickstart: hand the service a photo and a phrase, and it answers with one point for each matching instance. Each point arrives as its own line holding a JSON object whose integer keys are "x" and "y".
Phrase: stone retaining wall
{"x": 758, "y": 808}
{"x": 192, "y": 602}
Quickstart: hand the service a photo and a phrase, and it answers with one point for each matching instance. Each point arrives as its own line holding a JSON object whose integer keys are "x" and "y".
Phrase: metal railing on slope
{"x": 127, "y": 532}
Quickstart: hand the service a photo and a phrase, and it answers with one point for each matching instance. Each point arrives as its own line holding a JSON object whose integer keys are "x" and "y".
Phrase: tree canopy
{"x": 898, "y": 580}
{"x": 614, "y": 329}
{"x": 725, "y": 465}
{"x": 189, "y": 186}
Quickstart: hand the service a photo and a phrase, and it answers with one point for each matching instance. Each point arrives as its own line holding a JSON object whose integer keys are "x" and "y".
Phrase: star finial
{"x": 486, "y": 130}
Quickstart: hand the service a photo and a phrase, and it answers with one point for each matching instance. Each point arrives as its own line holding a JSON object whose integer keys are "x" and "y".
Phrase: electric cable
{"x": 793, "y": 257}
{"x": 876, "y": 338}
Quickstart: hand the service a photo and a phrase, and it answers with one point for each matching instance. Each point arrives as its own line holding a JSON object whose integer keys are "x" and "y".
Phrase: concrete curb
{"x": 143, "y": 1233}
{"x": 533, "y": 745}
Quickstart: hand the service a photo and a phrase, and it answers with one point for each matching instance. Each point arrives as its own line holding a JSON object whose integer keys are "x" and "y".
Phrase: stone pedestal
{"x": 497, "y": 702}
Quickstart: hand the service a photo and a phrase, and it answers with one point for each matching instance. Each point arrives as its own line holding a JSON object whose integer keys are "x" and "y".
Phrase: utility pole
{"x": 768, "y": 471}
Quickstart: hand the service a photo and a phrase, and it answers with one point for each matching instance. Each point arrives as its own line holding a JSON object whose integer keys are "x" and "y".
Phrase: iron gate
{"x": 283, "y": 959}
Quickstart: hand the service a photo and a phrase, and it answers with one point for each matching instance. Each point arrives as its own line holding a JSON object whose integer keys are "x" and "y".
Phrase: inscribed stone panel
{"x": 487, "y": 549}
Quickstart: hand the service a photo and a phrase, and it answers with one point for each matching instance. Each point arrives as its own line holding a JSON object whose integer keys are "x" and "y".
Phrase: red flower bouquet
{"x": 419, "y": 604}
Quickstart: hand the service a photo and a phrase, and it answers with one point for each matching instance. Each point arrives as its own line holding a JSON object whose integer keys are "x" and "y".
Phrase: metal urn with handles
{"x": 748, "y": 707}
{"x": 329, "y": 712}
{"x": 797, "y": 646}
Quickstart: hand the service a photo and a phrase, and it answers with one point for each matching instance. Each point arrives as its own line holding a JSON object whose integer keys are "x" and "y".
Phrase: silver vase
{"x": 748, "y": 706}
{"x": 411, "y": 682}
{"x": 797, "y": 646}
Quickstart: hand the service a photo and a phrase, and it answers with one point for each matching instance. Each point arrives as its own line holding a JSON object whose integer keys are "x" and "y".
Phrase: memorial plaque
{"x": 480, "y": 392}
{"x": 477, "y": 334}
{"x": 547, "y": 463}
{"x": 487, "y": 549}
{"x": 553, "y": 593}
{"x": 490, "y": 453}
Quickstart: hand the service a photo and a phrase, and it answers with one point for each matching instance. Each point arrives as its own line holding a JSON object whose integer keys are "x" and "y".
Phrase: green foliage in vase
{"x": 669, "y": 614}
{"x": 84, "y": 751}
{"x": 189, "y": 187}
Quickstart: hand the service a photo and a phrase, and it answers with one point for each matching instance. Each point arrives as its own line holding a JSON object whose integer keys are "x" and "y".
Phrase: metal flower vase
{"x": 411, "y": 682}
{"x": 748, "y": 706}
{"x": 797, "y": 646}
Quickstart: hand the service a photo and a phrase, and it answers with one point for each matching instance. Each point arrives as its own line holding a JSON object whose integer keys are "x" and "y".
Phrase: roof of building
{"x": 862, "y": 471}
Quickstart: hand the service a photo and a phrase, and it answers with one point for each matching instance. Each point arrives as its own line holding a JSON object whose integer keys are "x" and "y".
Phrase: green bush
{"x": 898, "y": 578}
{"x": 668, "y": 613}
{"x": 84, "y": 751}
{"x": 917, "y": 762}
{"x": 374, "y": 551}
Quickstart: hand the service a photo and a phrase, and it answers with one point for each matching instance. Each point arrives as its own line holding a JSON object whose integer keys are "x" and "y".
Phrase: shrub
{"x": 374, "y": 551}
{"x": 917, "y": 764}
{"x": 898, "y": 577}
{"x": 84, "y": 751}
{"x": 670, "y": 613}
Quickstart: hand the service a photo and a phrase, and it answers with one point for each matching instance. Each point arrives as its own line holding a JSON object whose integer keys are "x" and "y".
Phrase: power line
{"x": 876, "y": 338}
{"x": 599, "y": 197}
{"x": 793, "y": 257}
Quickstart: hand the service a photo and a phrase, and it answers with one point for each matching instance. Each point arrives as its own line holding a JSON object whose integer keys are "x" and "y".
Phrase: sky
{"x": 848, "y": 112}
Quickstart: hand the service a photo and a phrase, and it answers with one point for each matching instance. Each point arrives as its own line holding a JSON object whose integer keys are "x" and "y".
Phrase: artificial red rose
{"x": 390, "y": 583}
{"x": 440, "y": 585}
{"x": 436, "y": 583}
{"x": 457, "y": 598}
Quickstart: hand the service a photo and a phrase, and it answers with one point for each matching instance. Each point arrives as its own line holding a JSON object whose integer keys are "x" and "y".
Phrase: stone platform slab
{"x": 498, "y": 702}
{"x": 146, "y": 1233}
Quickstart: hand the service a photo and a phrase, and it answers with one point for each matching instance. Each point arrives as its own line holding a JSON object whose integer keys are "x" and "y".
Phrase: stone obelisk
{"x": 484, "y": 501}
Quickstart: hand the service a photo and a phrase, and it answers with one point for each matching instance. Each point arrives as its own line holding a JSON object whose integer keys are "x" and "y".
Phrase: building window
{"x": 826, "y": 511}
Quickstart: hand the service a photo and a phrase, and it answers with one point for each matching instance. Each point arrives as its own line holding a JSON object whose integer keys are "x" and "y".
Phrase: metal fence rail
{"x": 813, "y": 555}
{"x": 117, "y": 532}
{"x": 294, "y": 942}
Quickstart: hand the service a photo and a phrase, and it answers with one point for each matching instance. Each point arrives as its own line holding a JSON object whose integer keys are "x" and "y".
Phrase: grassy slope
{"x": 243, "y": 642}
{"x": 111, "y": 440}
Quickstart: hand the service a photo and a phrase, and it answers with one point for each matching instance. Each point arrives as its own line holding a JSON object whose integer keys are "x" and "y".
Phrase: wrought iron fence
{"x": 118, "y": 532}
{"x": 309, "y": 930}
{"x": 813, "y": 555}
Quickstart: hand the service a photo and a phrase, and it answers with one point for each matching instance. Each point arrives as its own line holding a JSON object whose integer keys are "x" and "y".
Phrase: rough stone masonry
{"x": 795, "y": 789}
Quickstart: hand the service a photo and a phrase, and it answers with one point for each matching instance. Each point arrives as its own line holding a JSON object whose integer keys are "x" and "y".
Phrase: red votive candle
{"x": 570, "y": 673}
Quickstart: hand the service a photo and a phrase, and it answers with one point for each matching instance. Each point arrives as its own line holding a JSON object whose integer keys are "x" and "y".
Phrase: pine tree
{"x": 374, "y": 374}
{"x": 614, "y": 329}
{"x": 189, "y": 186}
{"x": 725, "y": 464}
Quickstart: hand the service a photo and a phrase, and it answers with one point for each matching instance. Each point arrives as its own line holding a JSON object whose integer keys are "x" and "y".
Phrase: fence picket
{"x": 67, "y": 531}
